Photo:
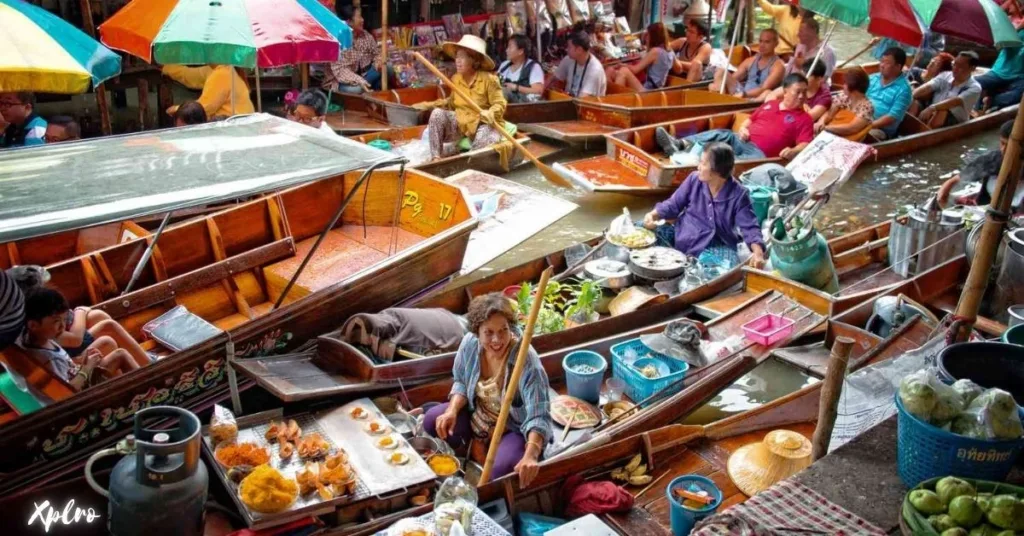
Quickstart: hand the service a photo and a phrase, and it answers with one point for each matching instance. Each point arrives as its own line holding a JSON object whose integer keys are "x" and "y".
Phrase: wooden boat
{"x": 485, "y": 159}
{"x": 229, "y": 268}
{"x": 634, "y": 164}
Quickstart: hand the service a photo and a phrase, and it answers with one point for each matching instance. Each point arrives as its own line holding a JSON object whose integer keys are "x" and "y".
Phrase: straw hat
{"x": 757, "y": 466}
{"x": 470, "y": 43}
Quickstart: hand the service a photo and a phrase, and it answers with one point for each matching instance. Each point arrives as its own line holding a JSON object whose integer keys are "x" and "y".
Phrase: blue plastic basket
{"x": 925, "y": 451}
{"x": 638, "y": 387}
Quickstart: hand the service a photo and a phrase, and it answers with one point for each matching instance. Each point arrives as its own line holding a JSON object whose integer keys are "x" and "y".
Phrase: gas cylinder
{"x": 160, "y": 486}
{"x": 806, "y": 260}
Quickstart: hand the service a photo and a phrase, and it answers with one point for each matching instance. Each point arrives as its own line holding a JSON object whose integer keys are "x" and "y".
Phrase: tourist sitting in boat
{"x": 955, "y": 92}
{"x": 787, "y": 22}
{"x": 190, "y": 113}
{"x": 84, "y": 326}
{"x": 359, "y": 69}
{"x": 851, "y": 112}
{"x": 778, "y": 128}
{"x": 1003, "y": 85}
{"x": 708, "y": 208}
{"x": 224, "y": 91}
{"x": 604, "y": 44}
{"x": 310, "y": 109}
{"x": 580, "y": 71}
{"x": 890, "y": 94}
{"x": 62, "y": 128}
{"x": 810, "y": 42}
{"x": 451, "y": 118}
{"x": 651, "y": 72}
{"x": 45, "y": 316}
{"x": 694, "y": 52}
{"x": 522, "y": 79}
{"x": 984, "y": 170}
{"x": 1013, "y": 11}
{"x": 757, "y": 75}
{"x": 941, "y": 63}
{"x": 482, "y": 368}
{"x": 932, "y": 45}
{"x": 22, "y": 126}
{"x": 819, "y": 92}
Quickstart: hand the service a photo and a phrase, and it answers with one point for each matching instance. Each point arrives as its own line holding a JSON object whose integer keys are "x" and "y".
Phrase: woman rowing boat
{"x": 452, "y": 118}
{"x": 482, "y": 367}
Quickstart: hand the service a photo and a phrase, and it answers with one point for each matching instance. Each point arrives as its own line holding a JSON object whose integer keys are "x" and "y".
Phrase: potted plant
{"x": 579, "y": 309}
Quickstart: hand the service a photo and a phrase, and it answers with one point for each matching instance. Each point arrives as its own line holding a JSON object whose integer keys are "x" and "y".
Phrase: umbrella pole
{"x": 732, "y": 44}
{"x": 259, "y": 96}
{"x": 821, "y": 47}
{"x": 384, "y": 45}
{"x": 995, "y": 221}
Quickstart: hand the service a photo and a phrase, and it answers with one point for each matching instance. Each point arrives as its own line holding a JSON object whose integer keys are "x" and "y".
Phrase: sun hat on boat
{"x": 756, "y": 467}
{"x": 473, "y": 44}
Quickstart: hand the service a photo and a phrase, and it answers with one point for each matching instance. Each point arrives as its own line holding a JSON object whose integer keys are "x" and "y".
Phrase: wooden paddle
{"x": 855, "y": 56}
{"x": 545, "y": 169}
{"x": 513, "y": 382}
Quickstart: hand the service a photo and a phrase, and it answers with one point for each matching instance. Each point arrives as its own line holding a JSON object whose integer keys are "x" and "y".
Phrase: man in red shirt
{"x": 777, "y": 128}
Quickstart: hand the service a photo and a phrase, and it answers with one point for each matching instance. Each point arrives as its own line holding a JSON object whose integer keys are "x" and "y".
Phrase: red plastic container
{"x": 768, "y": 329}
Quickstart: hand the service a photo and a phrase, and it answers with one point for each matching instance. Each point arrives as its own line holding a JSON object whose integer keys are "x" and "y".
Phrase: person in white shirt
{"x": 956, "y": 92}
{"x": 310, "y": 109}
{"x": 522, "y": 79}
{"x": 581, "y": 72}
{"x": 810, "y": 41}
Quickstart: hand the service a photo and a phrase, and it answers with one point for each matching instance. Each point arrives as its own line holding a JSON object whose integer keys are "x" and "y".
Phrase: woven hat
{"x": 757, "y": 466}
{"x": 472, "y": 44}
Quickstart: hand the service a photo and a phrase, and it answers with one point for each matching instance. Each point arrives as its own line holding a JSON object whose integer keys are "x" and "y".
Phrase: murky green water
{"x": 768, "y": 381}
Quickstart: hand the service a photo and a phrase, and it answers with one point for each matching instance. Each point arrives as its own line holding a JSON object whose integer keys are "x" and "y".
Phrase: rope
{"x": 900, "y": 261}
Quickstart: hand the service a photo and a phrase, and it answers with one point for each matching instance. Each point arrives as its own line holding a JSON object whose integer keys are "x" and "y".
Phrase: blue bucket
{"x": 587, "y": 385}
{"x": 684, "y": 518}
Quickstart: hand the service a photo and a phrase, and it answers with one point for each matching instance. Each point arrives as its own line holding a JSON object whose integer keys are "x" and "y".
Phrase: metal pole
{"x": 536, "y": 28}
{"x": 821, "y": 47}
{"x": 384, "y": 46}
{"x": 398, "y": 211}
{"x": 236, "y": 397}
{"x": 146, "y": 254}
{"x": 259, "y": 97}
{"x": 735, "y": 33}
{"x": 333, "y": 222}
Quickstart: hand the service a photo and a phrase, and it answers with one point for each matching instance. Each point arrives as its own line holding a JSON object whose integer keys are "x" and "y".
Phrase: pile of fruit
{"x": 634, "y": 473}
{"x": 956, "y": 507}
{"x": 963, "y": 408}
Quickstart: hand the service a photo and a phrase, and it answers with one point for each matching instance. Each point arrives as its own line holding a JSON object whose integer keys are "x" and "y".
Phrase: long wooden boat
{"x": 229, "y": 268}
{"x": 635, "y": 164}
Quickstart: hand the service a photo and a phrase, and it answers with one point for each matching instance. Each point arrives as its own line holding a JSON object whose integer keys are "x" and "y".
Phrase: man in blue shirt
{"x": 24, "y": 127}
{"x": 1004, "y": 84}
{"x": 890, "y": 93}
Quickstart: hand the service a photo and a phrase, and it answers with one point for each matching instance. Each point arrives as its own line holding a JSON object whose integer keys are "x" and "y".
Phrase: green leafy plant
{"x": 584, "y": 298}
{"x": 549, "y": 318}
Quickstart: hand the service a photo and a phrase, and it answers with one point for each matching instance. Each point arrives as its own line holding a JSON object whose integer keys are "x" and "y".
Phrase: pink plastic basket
{"x": 768, "y": 329}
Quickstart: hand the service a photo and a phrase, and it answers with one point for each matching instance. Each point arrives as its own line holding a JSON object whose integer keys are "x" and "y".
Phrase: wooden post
{"x": 164, "y": 100}
{"x": 259, "y": 94}
{"x": 831, "y": 388}
{"x": 143, "y": 86}
{"x": 304, "y": 73}
{"x": 101, "y": 92}
{"x": 384, "y": 45}
{"x": 992, "y": 232}
{"x": 513, "y": 382}
{"x": 751, "y": 22}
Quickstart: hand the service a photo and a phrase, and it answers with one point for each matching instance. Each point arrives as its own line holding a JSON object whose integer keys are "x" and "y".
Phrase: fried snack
{"x": 223, "y": 428}
{"x": 307, "y": 479}
{"x": 313, "y": 446}
{"x": 334, "y": 460}
{"x": 339, "y": 475}
{"x": 325, "y": 493}
{"x": 294, "y": 432}
{"x": 267, "y": 491}
{"x": 272, "y": 431}
{"x": 287, "y": 449}
{"x": 443, "y": 464}
{"x": 232, "y": 454}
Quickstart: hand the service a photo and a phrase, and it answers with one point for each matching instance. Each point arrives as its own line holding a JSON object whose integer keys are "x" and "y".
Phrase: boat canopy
{"x": 66, "y": 186}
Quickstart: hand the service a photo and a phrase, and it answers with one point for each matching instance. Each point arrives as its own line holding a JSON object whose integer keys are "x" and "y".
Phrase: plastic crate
{"x": 925, "y": 451}
{"x": 768, "y": 329}
{"x": 638, "y": 387}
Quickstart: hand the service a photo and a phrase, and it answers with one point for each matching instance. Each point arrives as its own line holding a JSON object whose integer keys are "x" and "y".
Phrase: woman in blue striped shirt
{"x": 482, "y": 368}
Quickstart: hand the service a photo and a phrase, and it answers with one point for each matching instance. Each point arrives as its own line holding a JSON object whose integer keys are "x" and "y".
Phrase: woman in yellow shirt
{"x": 452, "y": 117}
{"x": 787, "y": 21}
{"x": 215, "y": 81}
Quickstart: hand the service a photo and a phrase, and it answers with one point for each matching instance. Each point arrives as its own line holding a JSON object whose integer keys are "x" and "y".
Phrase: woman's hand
{"x": 651, "y": 219}
{"x": 819, "y": 126}
{"x": 487, "y": 117}
{"x": 511, "y": 86}
{"x": 947, "y": 187}
{"x": 756, "y": 259}
{"x": 422, "y": 106}
{"x": 445, "y": 424}
{"x": 527, "y": 469}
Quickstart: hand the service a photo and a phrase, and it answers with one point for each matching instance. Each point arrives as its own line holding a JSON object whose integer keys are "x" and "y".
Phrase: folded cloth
{"x": 785, "y": 509}
{"x": 423, "y": 331}
{"x": 596, "y": 498}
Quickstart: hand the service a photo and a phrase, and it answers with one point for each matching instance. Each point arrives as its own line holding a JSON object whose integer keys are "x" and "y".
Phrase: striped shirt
{"x": 12, "y": 309}
{"x": 531, "y": 408}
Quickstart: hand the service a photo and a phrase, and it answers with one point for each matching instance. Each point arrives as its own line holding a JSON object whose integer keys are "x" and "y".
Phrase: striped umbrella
{"x": 41, "y": 52}
{"x": 243, "y": 33}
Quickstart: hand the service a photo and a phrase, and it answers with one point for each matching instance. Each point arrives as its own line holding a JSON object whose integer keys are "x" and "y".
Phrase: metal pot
{"x": 1016, "y": 240}
{"x": 912, "y": 245}
{"x": 658, "y": 263}
{"x": 616, "y": 253}
{"x": 609, "y": 273}
{"x": 971, "y": 244}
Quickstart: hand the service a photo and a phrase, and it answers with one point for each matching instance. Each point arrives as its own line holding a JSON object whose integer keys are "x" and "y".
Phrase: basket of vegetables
{"x": 952, "y": 506}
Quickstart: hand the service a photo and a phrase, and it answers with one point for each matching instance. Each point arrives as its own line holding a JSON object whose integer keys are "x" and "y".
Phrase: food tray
{"x": 644, "y": 238}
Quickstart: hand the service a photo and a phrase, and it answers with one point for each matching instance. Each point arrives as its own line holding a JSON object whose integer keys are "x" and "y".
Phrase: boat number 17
{"x": 412, "y": 199}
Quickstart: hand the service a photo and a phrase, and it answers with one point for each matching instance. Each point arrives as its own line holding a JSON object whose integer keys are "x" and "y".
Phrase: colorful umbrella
{"x": 39, "y": 51}
{"x": 243, "y": 33}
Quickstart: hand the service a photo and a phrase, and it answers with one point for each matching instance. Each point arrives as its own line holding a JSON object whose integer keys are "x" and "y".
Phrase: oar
{"x": 855, "y": 56}
{"x": 545, "y": 169}
{"x": 513, "y": 382}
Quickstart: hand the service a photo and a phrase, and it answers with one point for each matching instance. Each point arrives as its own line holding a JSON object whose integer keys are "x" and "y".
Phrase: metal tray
{"x": 374, "y": 476}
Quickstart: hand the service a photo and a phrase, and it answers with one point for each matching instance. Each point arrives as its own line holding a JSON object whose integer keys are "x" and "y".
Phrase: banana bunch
{"x": 634, "y": 473}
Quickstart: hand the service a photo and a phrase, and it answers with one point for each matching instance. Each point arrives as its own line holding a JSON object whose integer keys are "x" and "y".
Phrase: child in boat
{"x": 45, "y": 317}
{"x": 84, "y": 326}
{"x": 310, "y": 109}
{"x": 190, "y": 113}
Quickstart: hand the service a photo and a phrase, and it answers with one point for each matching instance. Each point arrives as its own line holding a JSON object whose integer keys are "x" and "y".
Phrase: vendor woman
{"x": 453, "y": 118}
{"x": 482, "y": 368}
{"x": 709, "y": 207}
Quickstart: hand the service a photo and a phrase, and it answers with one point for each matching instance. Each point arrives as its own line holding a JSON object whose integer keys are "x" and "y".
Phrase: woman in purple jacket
{"x": 712, "y": 211}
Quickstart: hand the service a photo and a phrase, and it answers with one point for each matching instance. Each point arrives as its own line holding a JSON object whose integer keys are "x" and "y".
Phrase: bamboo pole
{"x": 544, "y": 169}
{"x": 992, "y": 232}
{"x": 384, "y": 45}
{"x": 855, "y": 56}
{"x": 831, "y": 388}
{"x": 513, "y": 382}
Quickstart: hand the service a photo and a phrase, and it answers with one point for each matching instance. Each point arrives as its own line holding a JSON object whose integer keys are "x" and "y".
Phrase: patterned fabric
{"x": 488, "y": 406}
{"x": 863, "y": 109}
{"x": 354, "y": 61}
{"x": 485, "y": 90}
{"x": 443, "y": 131}
{"x": 12, "y": 310}
{"x": 787, "y": 508}
{"x": 531, "y": 406}
{"x": 55, "y": 359}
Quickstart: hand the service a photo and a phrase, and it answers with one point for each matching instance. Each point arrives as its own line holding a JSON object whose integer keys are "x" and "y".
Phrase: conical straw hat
{"x": 757, "y": 466}
{"x": 474, "y": 45}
